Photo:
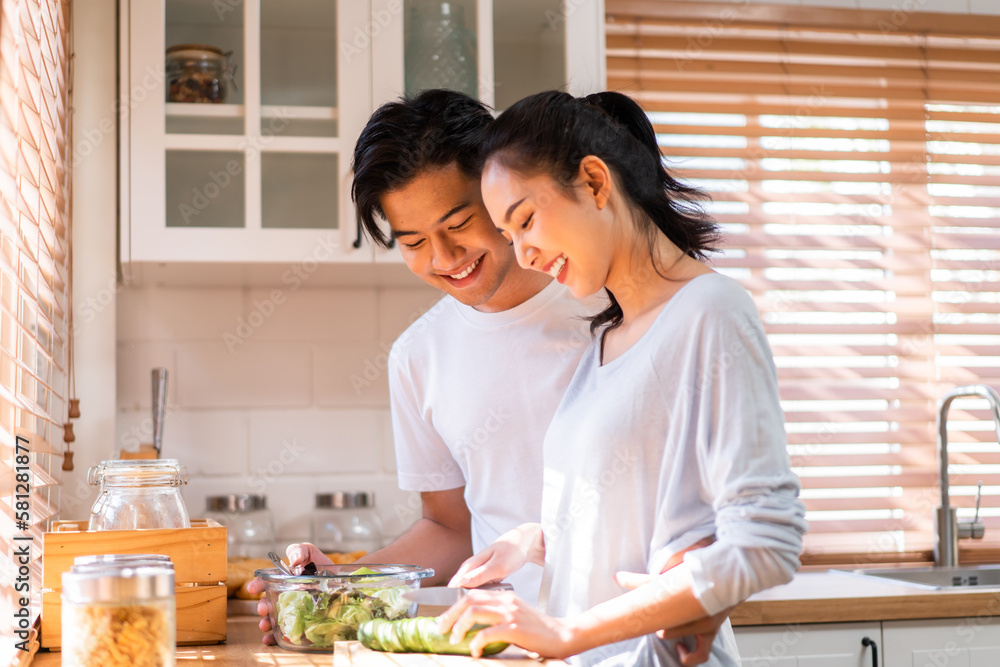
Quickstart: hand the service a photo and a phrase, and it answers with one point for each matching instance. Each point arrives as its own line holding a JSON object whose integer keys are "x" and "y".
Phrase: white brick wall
{"x": 270, "y": 391}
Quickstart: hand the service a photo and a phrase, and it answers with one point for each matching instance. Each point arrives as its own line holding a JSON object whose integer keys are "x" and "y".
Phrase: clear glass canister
{"x": 346, "y": 522}
{"x": 119, "y": 615}
{"x": 138, "y": 493}
{"x": 197, "y": 73}
{"x": 249, "y": 524}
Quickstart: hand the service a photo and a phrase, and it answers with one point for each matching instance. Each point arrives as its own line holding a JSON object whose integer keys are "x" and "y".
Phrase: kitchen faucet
{"x": 947, "y": 529}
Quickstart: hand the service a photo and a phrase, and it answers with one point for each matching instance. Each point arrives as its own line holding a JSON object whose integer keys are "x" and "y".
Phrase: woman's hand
{"x": 506, "y": 555}
{"x": 298, "y": 555}
{"x": 512, "y": 620}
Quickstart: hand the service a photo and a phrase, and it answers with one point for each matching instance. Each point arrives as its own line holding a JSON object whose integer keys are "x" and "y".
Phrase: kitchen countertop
{"x": 811, "y": 597}
{"x": 822, "y": 597}
{"x": 245, "y": 648}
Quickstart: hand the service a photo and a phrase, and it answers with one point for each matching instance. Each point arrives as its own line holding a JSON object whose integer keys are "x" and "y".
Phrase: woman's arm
{"x": 667, "y": 601}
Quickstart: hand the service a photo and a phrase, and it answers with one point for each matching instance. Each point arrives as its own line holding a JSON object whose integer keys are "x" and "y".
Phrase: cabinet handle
{"x": 356, "y": 244}
{"x": 868, "y": 641}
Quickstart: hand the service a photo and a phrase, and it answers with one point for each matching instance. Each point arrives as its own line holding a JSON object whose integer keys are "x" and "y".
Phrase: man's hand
{"x": 298, "y": 555}
{"x": 703, "y": 629}
{"x": 505, "y": 556}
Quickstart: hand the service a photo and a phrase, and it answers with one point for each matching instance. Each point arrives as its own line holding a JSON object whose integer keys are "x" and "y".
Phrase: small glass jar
{"x": 197, "y": 73}
{"x": 249, "y": 524}
{"x": 138, "y": 493}
{"x": 346, "y": 522}
{"x": 119, "y": 614}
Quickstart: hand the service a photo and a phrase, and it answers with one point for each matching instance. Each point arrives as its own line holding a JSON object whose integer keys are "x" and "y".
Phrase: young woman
{"x": 671, "y": 429}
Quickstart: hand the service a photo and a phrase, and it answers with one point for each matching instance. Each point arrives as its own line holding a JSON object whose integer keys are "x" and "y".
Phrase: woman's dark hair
{"x": 552, "y": 132}
{"x": 401, "y": 139}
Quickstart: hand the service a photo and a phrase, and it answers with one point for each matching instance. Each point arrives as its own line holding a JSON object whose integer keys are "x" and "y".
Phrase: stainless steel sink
{"x": 935, "y": 578}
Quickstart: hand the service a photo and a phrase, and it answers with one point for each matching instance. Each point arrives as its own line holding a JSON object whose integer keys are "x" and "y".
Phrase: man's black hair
{"x": 433, "y": 129}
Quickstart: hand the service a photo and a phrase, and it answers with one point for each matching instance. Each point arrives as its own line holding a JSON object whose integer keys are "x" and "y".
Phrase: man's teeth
{"x": 557, "y": 266}
{"x": 459, "y": 276}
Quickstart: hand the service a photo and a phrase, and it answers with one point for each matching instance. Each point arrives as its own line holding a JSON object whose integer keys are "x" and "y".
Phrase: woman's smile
{"x": 555, "y": 267}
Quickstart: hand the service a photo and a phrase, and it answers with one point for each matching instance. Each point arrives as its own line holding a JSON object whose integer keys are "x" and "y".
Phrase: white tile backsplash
{"x": 399, "y": 308}
{"x": 148, "y": 313}
{"x": 351, "y": 374}
{"x": 284, "y": 442}
{"x": 261, "y": 375}
{"x": 246, "y": 391}
{"x": 285, "y": 315}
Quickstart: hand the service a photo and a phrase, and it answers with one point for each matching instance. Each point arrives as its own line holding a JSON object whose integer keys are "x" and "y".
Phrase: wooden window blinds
{"x": 853, "y": 159}
{"x": 34, "y": 278}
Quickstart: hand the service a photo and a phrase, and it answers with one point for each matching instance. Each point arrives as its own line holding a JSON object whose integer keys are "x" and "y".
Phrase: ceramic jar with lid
{"x": 346, "y": 522}
{"x": 249, "y": 523}
{"x": 119, "y": 614}
{"x": 138, "y": 493}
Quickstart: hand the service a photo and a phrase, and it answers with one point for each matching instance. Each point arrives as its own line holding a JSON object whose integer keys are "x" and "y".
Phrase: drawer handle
{"x": 868, "y": 641}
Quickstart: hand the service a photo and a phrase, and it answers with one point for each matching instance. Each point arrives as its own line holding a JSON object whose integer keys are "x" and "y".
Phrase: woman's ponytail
{"x": 552, "y": 132}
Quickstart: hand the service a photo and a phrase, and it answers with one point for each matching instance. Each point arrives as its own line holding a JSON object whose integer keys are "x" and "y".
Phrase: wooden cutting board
{"x": 353, "y": 654}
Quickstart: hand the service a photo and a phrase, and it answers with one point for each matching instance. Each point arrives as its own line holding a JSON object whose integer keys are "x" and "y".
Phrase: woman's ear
{"x": 596, "y": 178}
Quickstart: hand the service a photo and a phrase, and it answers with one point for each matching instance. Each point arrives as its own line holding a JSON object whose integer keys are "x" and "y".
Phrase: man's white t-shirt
{"x": 472, "y": 395}
{"x": 680, "y": 437}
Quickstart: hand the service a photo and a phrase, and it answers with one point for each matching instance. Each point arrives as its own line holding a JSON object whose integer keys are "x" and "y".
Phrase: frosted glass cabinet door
{"x": 971, "y": 641}
{"x": 240, "y": 126}
{"x": 808, "y": 645}
{"x": 299, "y": 67}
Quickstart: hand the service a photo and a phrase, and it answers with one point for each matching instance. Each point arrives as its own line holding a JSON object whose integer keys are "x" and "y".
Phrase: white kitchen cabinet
{"x": 522, "y": 47}
{"x": 809, "y": 645}
{"x": 972, "y": 641}
{"x": 264, "y": 176}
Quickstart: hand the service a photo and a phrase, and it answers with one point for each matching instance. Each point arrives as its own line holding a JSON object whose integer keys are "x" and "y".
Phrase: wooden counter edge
{"x": 881, "y": 608}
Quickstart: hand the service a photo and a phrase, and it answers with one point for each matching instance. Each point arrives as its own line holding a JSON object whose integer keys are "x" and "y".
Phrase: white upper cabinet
{"x": 239, "y": 117}
{"x": 496, "y": 50}
{"x": 250, "y": 163}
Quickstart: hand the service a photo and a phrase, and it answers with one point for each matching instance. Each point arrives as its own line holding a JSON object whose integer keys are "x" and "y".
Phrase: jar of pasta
{"x": 119, "y": 614}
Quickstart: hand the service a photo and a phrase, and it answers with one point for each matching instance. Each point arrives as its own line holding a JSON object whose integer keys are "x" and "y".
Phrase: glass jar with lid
{"x": 346, "y": 521}
{"x": 249, "y": 523}
{"x": 138, "y": 493}
{"x": 119, "y": 613}
{"x": 197, "y": 73}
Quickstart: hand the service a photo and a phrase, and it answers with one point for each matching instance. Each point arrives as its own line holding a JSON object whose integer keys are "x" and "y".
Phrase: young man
{"x": 504, "y": 341}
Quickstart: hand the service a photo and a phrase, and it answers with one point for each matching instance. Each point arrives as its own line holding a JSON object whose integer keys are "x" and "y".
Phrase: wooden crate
{"x": 201, "y": 616}
{"x": 198, "y": 554}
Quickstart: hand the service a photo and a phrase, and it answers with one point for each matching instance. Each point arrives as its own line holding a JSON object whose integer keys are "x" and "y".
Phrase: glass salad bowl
{"x": 311, "y": 611}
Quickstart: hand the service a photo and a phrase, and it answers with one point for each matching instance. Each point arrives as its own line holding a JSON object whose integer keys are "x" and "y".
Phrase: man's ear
{"x": 596, "y": 178}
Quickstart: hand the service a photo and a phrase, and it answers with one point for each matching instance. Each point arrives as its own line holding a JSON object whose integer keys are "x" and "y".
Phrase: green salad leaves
{"x": 319, "y": 618}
